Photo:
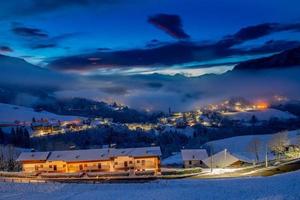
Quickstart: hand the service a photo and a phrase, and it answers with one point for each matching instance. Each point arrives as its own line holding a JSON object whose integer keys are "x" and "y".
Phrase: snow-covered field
{"x": 10, "y": 113}
{"x": 280, "y": 187}
{"x": 260, "y": 115}
{"x": 240, "y": 145}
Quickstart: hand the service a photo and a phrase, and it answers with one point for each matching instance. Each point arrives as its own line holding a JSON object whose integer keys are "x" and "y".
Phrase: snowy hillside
{"x": 260, "y": 115}
{"x": 280, "y": 187}
{"x": 10, "y": 113}
{"x": 240, "y": 145}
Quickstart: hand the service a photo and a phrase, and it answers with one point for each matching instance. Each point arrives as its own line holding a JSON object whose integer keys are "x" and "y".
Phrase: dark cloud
{"x": 43, "y": 46}
{"x": 154, "y": 43}
{"x": 155, "y": 85}
{"x": 274, "y": 46}
{"x": 24, "y": 31}
{"x": 181, "y": 52}
{"x": 21, "y": 8}
{"x": 171, "y": 24}
{"x": 5, "y": 49}
{"x": 103, "y": 49}
{"x": 41, "y": 39}
{"x": 255, "y": 32}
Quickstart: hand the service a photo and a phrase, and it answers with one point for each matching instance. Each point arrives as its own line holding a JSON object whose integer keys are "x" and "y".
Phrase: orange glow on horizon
{"x": 262, "y": 105}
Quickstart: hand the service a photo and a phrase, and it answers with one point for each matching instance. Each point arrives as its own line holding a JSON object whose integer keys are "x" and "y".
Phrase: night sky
{"x": 114, "y": 39}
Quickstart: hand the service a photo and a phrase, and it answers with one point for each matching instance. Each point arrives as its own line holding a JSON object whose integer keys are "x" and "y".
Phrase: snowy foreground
{"x": 278, "y": 187}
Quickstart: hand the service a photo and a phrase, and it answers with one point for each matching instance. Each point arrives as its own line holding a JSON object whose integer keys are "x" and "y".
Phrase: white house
{"x": 193, "y": 157}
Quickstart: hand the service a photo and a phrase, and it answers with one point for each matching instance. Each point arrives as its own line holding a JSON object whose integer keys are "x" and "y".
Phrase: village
{"x": 258, "y": 155}
{"x": 235, "y": 110}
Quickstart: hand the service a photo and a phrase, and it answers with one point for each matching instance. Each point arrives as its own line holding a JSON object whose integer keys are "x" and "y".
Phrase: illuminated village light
{"x": 262, "y": 105}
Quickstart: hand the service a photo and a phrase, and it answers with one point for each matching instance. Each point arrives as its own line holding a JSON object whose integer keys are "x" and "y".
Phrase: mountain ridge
{"x": 285, "y": 59}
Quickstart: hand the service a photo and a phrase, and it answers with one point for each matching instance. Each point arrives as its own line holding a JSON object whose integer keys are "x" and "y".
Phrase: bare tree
{"x": 278, "y": 143}
{"x": 254, "y": 147}
{"x": 2, "y": 159}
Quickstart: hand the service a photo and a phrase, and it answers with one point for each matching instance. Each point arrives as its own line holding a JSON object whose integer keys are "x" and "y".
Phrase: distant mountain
{"x": 16, "y": 71}
{"x": 19, "y": 79}
{"x": 288, "y": 58}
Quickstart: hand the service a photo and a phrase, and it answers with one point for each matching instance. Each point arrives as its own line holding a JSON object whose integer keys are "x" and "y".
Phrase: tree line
{"x": 18, "y": 136}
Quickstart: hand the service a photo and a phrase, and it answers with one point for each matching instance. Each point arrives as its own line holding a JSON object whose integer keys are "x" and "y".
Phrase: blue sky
{"x": 125, "y": 50}
{"x": 82, "y": 26}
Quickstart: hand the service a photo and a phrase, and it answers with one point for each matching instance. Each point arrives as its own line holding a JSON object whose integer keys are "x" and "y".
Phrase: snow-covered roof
{"x": 222, "y": 159}
{"x": 33, "y": 156}
{"x": 90, "y": 154}
{"x": 194, "y": 154}
{"x": 80, "y": 155}
{"x": 136, "y": 152}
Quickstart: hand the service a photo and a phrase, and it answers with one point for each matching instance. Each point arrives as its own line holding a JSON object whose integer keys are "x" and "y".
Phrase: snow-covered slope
{"x": 280, "y": 187}
{"x": 240, "y": 145}
{"x": 10, "y": 113}
{"x": 260, "y": 115}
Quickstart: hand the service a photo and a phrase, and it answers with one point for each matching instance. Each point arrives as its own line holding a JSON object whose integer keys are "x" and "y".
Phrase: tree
{"x": 1, "y": 137}
{"x": 253, "y": 120}
{"x": 25, "y": 138}
{"x": 12, "y": 165}
{"x": 13, "y": 136}
{"x": 255, "y": 147}
{"x": 278, "y": 143}
{"x": 2, "y": 160}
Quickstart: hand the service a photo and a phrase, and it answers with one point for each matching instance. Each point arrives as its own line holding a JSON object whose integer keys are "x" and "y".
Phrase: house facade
{"x": 93, "y": 160}
{"x": 193, "y": 157}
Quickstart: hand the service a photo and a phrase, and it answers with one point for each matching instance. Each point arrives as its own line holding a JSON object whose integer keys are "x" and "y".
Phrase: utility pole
{"x": 211, "y": 159}
{"x": 266, "y": 158}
